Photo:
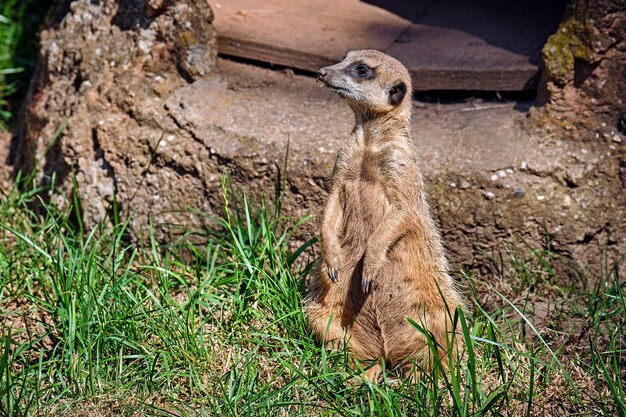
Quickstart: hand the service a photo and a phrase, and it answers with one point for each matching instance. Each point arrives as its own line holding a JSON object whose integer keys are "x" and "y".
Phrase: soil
{"x": 5, "y": 168}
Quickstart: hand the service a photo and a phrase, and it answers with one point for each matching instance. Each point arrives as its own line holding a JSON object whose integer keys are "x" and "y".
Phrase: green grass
{"x": 19, "y": 22}
{"x": 96, "y": 324}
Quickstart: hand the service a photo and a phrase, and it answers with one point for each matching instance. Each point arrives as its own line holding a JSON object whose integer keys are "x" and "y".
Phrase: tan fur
{"x": 377, "y": 227}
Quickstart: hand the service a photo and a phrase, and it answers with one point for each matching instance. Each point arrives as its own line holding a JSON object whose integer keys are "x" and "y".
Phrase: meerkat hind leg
{"x": 370, "y": 375}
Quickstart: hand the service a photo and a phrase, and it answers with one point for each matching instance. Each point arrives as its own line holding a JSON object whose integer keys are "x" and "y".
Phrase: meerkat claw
{"x": 367, "y": 285}
{"x": 333, "y": 274}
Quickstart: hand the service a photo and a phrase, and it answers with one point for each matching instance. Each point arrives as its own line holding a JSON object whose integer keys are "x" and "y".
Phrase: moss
{"x": 571, "y": 42}
{"x": 187, "y": 39}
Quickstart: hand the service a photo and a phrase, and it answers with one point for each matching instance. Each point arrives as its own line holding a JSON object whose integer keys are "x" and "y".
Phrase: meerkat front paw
{"x": 333, "y": 273}
{"x": 366, "y": 284}
{"x": 331, "y": 265}
{"x": 369, "y": 275}
{"x": 367, "y": 279}
{"x": 331, "y": 255}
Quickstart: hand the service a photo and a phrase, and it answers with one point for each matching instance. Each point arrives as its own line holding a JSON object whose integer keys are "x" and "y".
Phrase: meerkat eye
{"x": 362, "y": 70}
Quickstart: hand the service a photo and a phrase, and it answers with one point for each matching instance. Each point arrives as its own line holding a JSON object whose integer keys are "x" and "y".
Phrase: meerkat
{"x": 382, "y": 259}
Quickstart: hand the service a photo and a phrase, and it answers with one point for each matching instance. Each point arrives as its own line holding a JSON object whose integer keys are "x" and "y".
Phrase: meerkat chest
{"x": 364, "y": 203}
{"x": 370, "y": 179}
{"x": 381, "y": 165}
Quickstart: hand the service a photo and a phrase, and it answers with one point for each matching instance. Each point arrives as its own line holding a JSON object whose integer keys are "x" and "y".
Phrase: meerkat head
{"x": 370, "y": 81}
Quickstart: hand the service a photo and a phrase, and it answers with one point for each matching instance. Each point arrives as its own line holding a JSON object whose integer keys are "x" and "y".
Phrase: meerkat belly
{"x": 364, "y": 205}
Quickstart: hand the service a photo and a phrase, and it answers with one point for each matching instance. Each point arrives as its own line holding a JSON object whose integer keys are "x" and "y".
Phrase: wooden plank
{"x": 448, "y": 59}
{"x": 520, "y": 27}
{"x": 477, "y": 45}
{"x": 408, "y": 9}
{"x": 302, "y": 34}
{"x": 467, "y": 80}
{"x": 454, "y": 44}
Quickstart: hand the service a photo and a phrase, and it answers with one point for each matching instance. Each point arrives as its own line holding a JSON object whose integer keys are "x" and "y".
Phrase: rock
{"x": 489, "y": 195}
{"x": 583, "y": 84}
{"x": 567, "y": 202}
{"x": 104, "y": 72}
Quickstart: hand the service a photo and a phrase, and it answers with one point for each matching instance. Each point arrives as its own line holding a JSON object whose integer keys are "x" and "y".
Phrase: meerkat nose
{"x": 322, "y": 74}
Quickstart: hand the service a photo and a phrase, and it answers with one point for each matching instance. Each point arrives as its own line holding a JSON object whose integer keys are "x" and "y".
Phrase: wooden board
{"x": 446, "y": 44}
{"x": 460, "y": 61}
{"x": 304, "y": 34}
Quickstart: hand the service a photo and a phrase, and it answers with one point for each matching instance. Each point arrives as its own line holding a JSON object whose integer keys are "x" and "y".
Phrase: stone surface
{"x": 95, "y": 109}
{"x": 583, "y": 90}
{"x": 128, "y": 108}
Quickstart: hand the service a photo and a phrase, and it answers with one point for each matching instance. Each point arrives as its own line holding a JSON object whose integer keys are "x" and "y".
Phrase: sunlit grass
{"x": 94, "y": 322}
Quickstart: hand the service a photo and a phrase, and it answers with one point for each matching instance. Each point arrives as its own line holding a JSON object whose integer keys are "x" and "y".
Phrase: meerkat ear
{"x": 397, "y": 93}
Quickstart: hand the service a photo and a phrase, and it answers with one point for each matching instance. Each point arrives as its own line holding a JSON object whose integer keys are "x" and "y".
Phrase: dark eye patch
{"x": 361, "y": 71}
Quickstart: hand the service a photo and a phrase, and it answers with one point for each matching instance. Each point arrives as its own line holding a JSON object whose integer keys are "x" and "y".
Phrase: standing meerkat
{"x": 382, "y": 256}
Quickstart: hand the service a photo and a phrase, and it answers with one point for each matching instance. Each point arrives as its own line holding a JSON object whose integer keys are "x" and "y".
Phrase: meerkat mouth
{"x": 337, "y": 89}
